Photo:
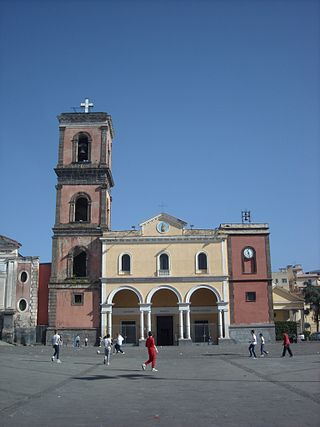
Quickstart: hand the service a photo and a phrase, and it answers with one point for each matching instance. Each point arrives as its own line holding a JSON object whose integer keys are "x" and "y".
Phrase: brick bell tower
{"x": 83, "y": 211}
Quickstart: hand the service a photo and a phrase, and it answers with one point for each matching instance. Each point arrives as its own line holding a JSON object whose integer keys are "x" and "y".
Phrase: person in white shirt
{"x": 262, "y": 342}
{"x": 253, "y": 343}
{"x": 56, "y": 342}
{"x": 118, "y": 343}
{"x": 107, "y": 349}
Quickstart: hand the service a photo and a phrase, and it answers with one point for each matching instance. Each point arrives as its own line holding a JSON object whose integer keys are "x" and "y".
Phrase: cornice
{"x": 73, "y": 286}
{"x": 76, "y": 230}
{"x": 163, "y": 239}
{"x": 252, "y": 279}
{"x": 84, "y": 174}
{"x": 165, "y": 279}
{"x": 86, "y": 119}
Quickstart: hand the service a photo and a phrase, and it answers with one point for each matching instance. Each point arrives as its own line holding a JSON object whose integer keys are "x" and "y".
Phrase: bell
{"x": 82, "y": 149}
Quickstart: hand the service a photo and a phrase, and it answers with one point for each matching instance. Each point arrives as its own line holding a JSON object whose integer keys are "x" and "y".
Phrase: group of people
{"x": 150, "y": 344}
{"x": 107, "y": 343}
{"x": 253, "y": 342}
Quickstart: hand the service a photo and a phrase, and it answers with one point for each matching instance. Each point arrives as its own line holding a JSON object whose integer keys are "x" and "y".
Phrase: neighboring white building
{"x": 19, "y": 277}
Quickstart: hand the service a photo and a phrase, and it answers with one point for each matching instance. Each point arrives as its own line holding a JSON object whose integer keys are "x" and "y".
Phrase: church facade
{"x": 18, "y": 293}
{"x": 186, "y": 285}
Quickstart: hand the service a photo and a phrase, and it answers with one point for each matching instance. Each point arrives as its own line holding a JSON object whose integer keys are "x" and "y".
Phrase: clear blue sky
{"x": 215, "y": 106}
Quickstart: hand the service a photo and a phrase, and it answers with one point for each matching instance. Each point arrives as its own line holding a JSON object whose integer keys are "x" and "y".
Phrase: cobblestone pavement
{"x": 194, "y": 386}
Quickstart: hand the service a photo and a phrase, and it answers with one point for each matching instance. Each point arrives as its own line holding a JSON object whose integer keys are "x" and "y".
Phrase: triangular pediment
{"x": 163, "y": 224}
{"x": 175, "y": 222}
{"x": 7, "y": 244}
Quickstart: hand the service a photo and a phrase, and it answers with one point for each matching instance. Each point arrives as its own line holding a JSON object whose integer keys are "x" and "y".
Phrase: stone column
{"x": 223, "y": 320}
{"x": 104, "y": 261}
{"x": 188, "y": 333}
{"x": 109, "y": 325}
{"x": 144, "y": 308}
{"x": 141, "y": 325}
{"x": 226, "y": 324}
{"x": 149, "y": 320}
{"x": 106, "y": 319}
{"x": 220, "y": 323}
{"x": 103, "y": 154}
{"x": 184, "y": 328}
{"x": 181, "y": 324}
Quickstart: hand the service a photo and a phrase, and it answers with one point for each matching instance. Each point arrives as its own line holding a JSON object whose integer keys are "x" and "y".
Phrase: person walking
{"x": 77, "y": 341}
{"x": 56, "y": 342}
{"x": 286, "y": 345}
{"x": 253, "y": 343}
{"x": 262, "y": 343}
{"x": 107, "y": 349}
{"x": 86, "y": 342}
{"x": 152, "y": 353}
{"x": 118, "y": 343}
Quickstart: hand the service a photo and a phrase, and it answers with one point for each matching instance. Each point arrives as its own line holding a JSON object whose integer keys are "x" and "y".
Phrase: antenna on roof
{"x": 246, "y": 216}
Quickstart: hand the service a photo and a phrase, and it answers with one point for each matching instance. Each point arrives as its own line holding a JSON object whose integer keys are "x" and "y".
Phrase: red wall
{"x": 78, "y": 316}
{"x": 43, "y": 292}
{"x": 245, "y": 312}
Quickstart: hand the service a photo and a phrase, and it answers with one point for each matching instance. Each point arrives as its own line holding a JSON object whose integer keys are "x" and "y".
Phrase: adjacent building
{"x": 19, "y": 279}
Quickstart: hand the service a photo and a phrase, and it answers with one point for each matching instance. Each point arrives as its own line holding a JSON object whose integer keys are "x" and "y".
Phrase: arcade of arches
{"x": 199, "y": 317}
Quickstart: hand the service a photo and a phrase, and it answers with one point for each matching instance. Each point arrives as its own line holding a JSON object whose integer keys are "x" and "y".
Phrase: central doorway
{"x": 164, "y": 330}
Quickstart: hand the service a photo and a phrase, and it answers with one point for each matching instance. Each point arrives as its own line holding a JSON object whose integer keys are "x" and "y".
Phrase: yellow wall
{"x": 182, "y": 258}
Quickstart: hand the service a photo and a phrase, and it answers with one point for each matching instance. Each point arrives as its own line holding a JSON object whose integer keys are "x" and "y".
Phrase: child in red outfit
{"x": 152, "y": 352}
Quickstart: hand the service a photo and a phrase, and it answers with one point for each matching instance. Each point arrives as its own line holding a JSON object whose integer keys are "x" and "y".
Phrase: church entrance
{"x": 164, "y": 330}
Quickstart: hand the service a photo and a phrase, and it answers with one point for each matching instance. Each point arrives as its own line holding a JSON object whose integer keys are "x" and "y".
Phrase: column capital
{"x": 106, "y": 308}
{"x": 145, "y": 307}
{"x": 184, "y": 306}
{"x": 222, "y": 306}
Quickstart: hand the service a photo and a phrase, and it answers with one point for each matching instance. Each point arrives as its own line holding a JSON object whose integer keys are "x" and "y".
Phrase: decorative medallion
{"x": 162, "y": 227}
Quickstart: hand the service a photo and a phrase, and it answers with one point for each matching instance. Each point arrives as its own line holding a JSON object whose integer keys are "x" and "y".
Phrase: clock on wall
{"x": 248, "y": 253}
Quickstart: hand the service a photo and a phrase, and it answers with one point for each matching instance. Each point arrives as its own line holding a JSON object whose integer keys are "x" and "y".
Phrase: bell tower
{"x": 83, "y": 213}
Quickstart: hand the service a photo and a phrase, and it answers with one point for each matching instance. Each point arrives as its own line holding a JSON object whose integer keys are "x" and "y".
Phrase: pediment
{"x": 7, "y": 244}
{"x": 281, "y": 294}
{"x": 162, "y": 225}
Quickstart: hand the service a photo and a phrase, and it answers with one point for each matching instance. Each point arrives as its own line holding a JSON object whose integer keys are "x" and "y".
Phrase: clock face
{"x": 248, "y": 253}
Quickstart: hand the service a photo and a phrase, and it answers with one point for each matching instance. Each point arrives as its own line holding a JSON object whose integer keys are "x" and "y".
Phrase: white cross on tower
{"x": 86, "y": 105}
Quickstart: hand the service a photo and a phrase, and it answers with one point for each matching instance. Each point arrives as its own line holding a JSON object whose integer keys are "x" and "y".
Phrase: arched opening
{"x": 163, "y": 265}
{"x": 125, "y": 267}
{"x": 165, "y": 317}
{"x": 83, "y": 148}
{"x": 125, "y": 315}
{"x": 202, "y": 262}
{"x": 79, "y": 263}
{"x": 81, "y": 209}
{"x": 204, "y": 316}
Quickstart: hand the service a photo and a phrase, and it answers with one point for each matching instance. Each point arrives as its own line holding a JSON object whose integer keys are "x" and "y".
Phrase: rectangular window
{"x": 77, "y": 299}
{"x": 250, "y": 296}
{"x": 128, "y": 331}
{"x": 284, "y": 280}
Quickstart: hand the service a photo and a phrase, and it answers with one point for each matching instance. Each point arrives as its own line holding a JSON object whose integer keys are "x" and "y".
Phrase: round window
{"x": 23, "y": 305}
{"x": 24, "y": 277}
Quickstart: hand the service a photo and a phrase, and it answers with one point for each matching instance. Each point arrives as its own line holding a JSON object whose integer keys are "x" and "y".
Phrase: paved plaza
{"x": 195, "y": 386}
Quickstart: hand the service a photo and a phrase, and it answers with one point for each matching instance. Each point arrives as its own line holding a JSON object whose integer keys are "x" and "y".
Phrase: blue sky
{"x": 215, "y": 106}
